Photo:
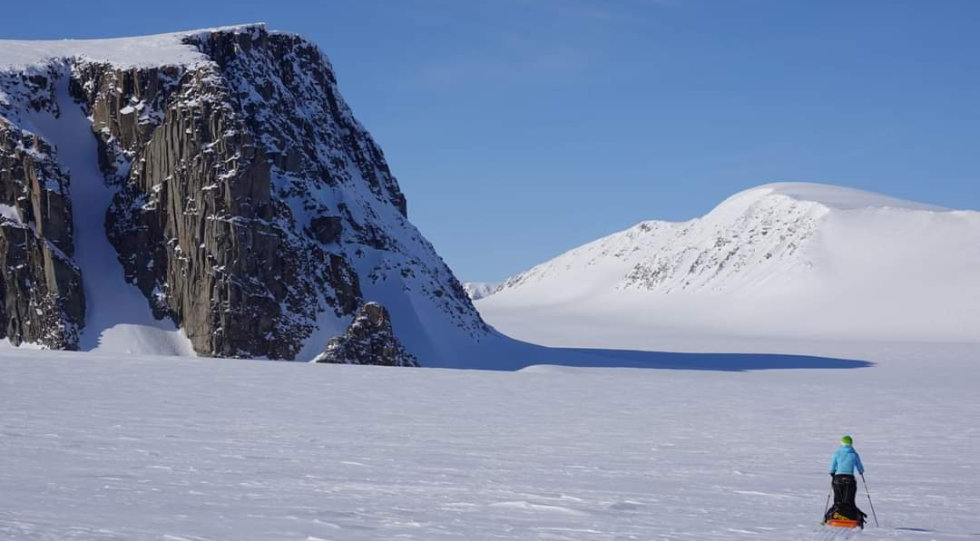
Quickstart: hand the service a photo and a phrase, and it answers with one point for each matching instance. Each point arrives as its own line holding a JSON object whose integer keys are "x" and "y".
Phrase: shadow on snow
{"x": 509, "y": 354}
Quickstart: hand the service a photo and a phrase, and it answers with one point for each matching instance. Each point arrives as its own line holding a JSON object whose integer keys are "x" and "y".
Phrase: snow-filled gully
{"x": 118, "y": 318}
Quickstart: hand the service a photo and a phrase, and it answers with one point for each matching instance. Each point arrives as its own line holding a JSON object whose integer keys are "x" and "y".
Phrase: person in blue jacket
{"x": 842, "y": 466}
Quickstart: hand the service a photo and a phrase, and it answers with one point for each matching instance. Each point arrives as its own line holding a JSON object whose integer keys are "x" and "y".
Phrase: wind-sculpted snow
{"x": 835, "y": 197}
{"x": 789, "y": 259}
{"x": 141, "y": 448}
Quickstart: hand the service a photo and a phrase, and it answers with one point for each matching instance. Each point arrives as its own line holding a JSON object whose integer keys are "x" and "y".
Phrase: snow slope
{"x": 128, "y": 52}
{"x": 786, "y": 260}
{"x": 142, "y": 448}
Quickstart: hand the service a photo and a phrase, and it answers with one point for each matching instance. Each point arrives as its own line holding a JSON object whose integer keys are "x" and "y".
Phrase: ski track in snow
{"x": 103, "y": 447}
{"x": 118, "y": 318}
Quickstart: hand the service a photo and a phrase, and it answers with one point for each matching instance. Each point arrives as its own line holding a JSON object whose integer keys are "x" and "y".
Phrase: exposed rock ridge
{"x": 697, "y": 254}
{"x": 730, "y": 247}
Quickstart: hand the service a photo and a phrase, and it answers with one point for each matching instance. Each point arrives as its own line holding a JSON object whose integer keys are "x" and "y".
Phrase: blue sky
{"x": 519, "y": 129}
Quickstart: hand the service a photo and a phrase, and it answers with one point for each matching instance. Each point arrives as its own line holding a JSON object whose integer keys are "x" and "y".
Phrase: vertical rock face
{"x": 41, "y": 298}
{"x": 251, "y": 207}
{"x": 368, "y": 340}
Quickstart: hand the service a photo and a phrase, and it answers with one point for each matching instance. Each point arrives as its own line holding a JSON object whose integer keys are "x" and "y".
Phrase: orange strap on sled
{"x": 842, "y": 523}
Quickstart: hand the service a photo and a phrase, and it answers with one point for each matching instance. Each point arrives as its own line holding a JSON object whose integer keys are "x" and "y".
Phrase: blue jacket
{"x": 845, "y": 460}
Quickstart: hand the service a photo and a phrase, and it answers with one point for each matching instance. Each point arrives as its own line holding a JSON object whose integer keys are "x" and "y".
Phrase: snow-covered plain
{"x": 100, "y": 447}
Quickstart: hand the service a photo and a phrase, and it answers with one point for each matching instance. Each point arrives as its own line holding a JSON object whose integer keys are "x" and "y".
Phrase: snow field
{"x": 99, "y": 447}
{"x": 132, "y": 52}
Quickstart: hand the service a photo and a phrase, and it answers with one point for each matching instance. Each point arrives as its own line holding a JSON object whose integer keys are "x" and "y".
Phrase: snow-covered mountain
{"x": 478, "y": 290}
{"x": 203, "y": 192}
{"x": 782, "y": 260}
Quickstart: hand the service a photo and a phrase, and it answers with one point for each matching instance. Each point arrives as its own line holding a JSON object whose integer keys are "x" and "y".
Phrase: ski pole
{"x": 868, "y": 494}
{"x": 826, "y": 506}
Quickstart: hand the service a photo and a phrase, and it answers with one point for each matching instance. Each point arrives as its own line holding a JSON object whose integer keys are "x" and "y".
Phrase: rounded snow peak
{"x": 827, "y": 195}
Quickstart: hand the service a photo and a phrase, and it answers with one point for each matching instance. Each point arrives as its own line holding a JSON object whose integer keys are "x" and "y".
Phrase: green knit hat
{"x": 846, "y": 440}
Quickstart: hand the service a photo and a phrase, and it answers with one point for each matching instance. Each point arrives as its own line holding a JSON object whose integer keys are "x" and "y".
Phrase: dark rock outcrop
{"x": 326, "y": 229}
{"x": 368, "y": 340}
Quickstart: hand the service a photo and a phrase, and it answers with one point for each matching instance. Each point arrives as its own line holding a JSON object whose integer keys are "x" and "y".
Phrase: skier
{"x": 842, "y": 466}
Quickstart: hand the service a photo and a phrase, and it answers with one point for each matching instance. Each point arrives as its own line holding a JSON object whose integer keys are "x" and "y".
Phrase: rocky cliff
{"x": 41, "y": 299}
{"x": 249, "y": 206}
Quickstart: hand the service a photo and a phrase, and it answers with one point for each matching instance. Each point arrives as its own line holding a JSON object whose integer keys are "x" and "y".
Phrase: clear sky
{"x": 519, "y": 129}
